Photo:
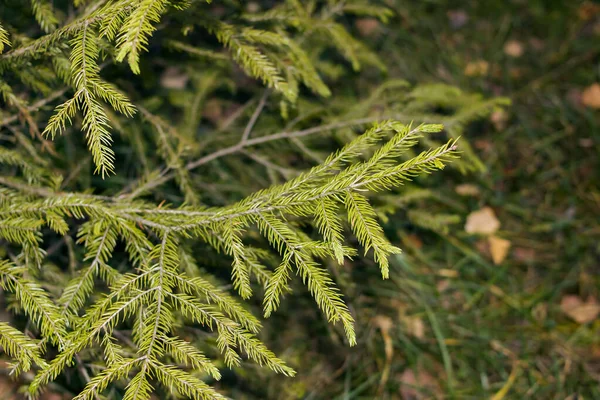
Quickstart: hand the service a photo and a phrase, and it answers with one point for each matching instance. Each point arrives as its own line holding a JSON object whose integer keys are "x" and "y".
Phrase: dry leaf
{"x": 467, "y": 189}
{"x": 413, "y": 387}
{"x": 499, "y": 118}
{"x": 414, "y": 326}
{"x": 588, "y": 10}
{"x": 536, "y": 44}
{"x": 447, "y": 273}
{"x": 457, "y": 18}
{"x": 367, "y": 26}
{"x": 514, "y": 48}
{"x": 579, "y": 311}
{"x": 586, "y": 143}
{"x": 173, "y": 78}
{"x": 498, "y": 248}
{"x": 477, "y": 68}
{"x": 591, "y": 96}
{"x": 442, "y": 285}
{"x": 483, "y": 222}
{"x": 253, "y": 7}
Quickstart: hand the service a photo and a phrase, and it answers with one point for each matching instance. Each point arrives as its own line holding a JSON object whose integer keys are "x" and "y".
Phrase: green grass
{"x": 489, "y": 331}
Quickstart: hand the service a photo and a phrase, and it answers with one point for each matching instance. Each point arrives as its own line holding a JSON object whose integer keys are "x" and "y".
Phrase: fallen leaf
{"x": 253, "y": 7}
{"x": 483, "y": 144}
{"x": 413, "y": 241}
{"x": 514, "y": 48}
{"x": 458, "y": 18}
{"x": 591, "y": 96}
{"x": 408, "y": 386}
{"x": 173, "y": 78}
{"x": 367, "y": 26}
{"x": 442, "y": 285}
{"x": 467, "y": 189}
{"x": 421, "y": 386}
{"x": 477, "y": 68}
{"x": 483, "y": 222}
{"x": 498, "y": 248}
{"x": 578, "y": 310}
{"x": 447, "y": 273}
{"x": 499, "y": 118}
{"x": 588, "y": 10}
{"x": 536, "y": 44}
{"x": 414, "y": 326}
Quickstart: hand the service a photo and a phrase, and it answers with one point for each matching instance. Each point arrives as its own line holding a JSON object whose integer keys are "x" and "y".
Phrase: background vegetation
{"x": 495, "y": 293}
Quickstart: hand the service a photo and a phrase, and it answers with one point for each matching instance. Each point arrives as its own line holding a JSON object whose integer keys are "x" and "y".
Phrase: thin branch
{"x": 255, "y": 141}
{"x": 35, "y": 106}
{"x": 255, "y": 115}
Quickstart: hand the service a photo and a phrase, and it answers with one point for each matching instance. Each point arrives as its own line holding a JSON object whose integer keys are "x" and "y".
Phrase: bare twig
{"x": 255, "y": 115}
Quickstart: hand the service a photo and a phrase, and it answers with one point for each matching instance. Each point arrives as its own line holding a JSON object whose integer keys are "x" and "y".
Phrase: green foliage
{"x": 117, "y": 279}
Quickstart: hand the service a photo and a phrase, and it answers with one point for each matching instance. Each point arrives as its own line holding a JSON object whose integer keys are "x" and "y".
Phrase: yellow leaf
{"x": 483, "y": 222}
{"x": 477, "y": 68}
{"x": 448, "y": 273}
{"x": 498, "y": 249}
{"x": 591, "y": 96}
{"x": 579, "y": 311}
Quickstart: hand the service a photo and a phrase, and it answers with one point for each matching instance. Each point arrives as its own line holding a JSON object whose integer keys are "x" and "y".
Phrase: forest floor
{"x": 510, "y": 312}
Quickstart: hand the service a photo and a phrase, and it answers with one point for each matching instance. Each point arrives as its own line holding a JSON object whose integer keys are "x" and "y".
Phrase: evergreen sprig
{"x": 122, "y": 285}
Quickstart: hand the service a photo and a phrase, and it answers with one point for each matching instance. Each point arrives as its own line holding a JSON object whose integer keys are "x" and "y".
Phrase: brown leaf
{"x": 591, "y": 96}
{"x": 477, "y": 68}
{"x": 467, "y": 189}
{"x": 443, "y": 285}
{"x": 499, "y": 118}
{"x": 173, "y": 78}
{"x": 498, "y": 248}
{"x": 588, "y": 10}
{"x": 414, "y": 387}
{"x": 413, "y": 241}
{"x": 367, "y": 26}
{"x": 579, "y": 311}
{"x": 414, "y": 326}
{"x": 514, "y": 48}
{"x": 483, "y": 222}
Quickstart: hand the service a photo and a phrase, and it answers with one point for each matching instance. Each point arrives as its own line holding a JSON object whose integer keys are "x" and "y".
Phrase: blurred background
{"x": 501, "y": 299}
{"x": 497, "y": 292}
